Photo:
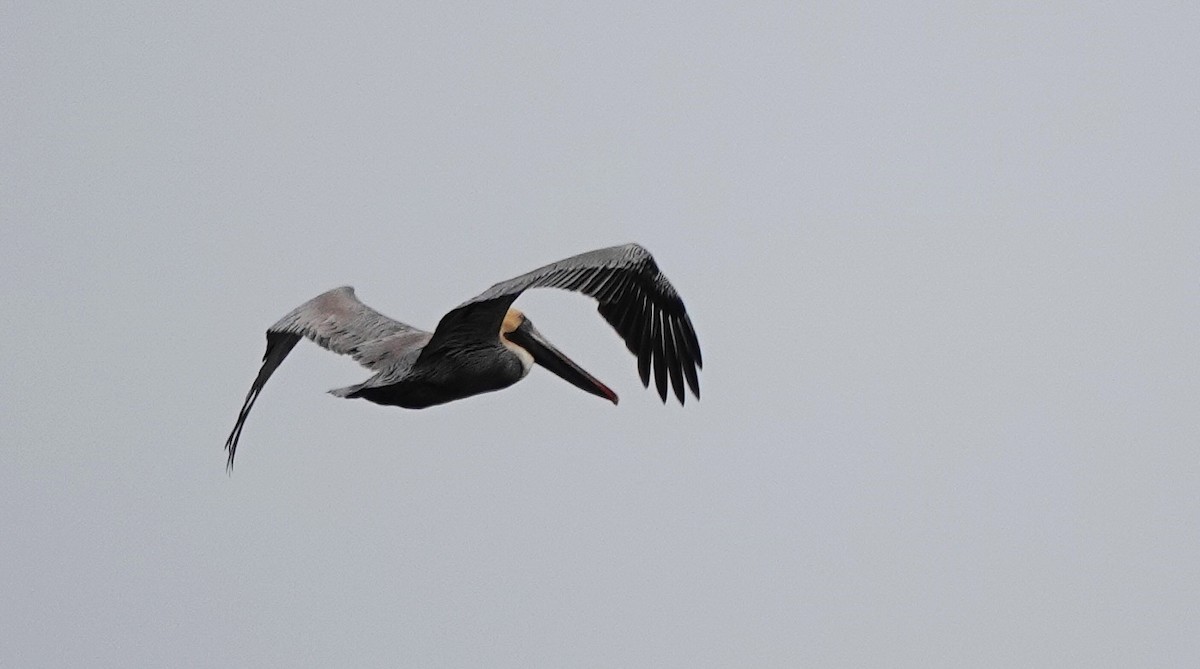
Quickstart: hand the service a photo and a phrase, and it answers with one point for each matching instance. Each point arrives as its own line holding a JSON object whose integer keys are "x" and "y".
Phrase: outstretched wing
{"x": 338, "y": 321}
{"x": 634, "y": 296}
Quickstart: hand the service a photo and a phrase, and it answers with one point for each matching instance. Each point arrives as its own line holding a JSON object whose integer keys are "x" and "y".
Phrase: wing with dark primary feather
{"x": 634, "y": 296}
{"x": 335, "y": 320}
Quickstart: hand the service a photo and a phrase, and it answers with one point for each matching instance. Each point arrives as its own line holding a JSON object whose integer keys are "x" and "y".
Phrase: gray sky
{"x": 943, "y": 260}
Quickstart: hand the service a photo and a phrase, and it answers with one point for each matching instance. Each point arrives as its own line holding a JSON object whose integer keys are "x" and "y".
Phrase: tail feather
{"x": 349, "y": 392}
{"x": 279, "y": 344}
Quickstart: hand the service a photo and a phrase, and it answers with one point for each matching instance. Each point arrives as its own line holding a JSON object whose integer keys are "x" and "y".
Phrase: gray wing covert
{"x": 335, "y": 320}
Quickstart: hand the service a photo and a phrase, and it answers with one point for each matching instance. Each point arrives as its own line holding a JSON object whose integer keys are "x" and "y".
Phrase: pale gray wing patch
{"x": 335, "y": 320}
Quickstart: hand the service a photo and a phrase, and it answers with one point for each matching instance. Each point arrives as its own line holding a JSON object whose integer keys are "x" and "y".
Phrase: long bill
{"x": 545, "y": 354}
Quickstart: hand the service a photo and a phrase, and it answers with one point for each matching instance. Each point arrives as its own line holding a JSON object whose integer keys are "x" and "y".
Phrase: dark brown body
{"x": 473, "y": 373}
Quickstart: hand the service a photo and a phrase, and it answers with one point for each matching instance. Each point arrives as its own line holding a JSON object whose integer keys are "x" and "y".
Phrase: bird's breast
{"x": 483, "y": 371}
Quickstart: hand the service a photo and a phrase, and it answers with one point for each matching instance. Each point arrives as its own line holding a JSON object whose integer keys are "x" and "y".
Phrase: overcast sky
{"x": 943, "y": 260}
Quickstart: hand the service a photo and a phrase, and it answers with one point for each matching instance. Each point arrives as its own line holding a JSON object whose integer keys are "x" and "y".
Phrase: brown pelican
{"x": 484, "y": 345}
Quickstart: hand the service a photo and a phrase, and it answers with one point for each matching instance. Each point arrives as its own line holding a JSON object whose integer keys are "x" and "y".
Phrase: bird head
{"x": 518, "y": 335}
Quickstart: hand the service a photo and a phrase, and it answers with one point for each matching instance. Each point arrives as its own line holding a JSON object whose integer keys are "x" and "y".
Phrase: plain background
{"x": 943, "y": 259}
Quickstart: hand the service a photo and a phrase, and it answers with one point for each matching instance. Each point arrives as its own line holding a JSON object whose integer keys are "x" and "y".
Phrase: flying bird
{"x": 484, "y": 344}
